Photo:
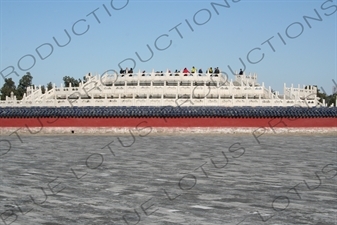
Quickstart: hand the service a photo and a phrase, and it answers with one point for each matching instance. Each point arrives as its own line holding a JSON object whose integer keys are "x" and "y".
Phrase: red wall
{"x": 168, "y": 122}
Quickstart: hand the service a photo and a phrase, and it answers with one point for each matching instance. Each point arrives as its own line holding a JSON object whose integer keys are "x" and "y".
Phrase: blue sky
{"x": 221, "y": 35}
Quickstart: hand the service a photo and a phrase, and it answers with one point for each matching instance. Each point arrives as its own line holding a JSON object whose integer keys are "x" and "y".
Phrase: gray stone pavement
{"x": 168, "y": 179}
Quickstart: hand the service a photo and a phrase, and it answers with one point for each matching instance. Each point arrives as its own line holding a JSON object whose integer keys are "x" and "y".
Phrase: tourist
{"x": 210, "y": 70}
{"x": 216, "y": 72}
{"x": 193, "y": 70}
{"x": 185, "y": 71}
{"x": 200, "y": 72}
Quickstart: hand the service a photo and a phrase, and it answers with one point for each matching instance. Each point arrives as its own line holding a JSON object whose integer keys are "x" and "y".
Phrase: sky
{"x": 292, "y": 42}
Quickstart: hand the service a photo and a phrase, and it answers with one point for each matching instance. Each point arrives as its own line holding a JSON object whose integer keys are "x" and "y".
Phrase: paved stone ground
{"x": 143, "y": 178}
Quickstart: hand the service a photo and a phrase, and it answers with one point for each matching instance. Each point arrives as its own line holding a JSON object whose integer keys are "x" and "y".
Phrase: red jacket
{"x": 186, "y": 70}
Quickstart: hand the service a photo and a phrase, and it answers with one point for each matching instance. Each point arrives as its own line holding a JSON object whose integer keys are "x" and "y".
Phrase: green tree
{"x": 49, "y": 86}
{"x": 331, "y": 99}
{"x": 70, "y": 80}
{"x": 43, "y": 89}
{"x": 7, "y": 88}
{"x": 321, "y": 96}
{"x": 24, "y": 82}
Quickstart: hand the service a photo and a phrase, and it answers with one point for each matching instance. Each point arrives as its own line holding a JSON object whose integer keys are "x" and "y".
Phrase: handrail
{"x": 208, "y": 85}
